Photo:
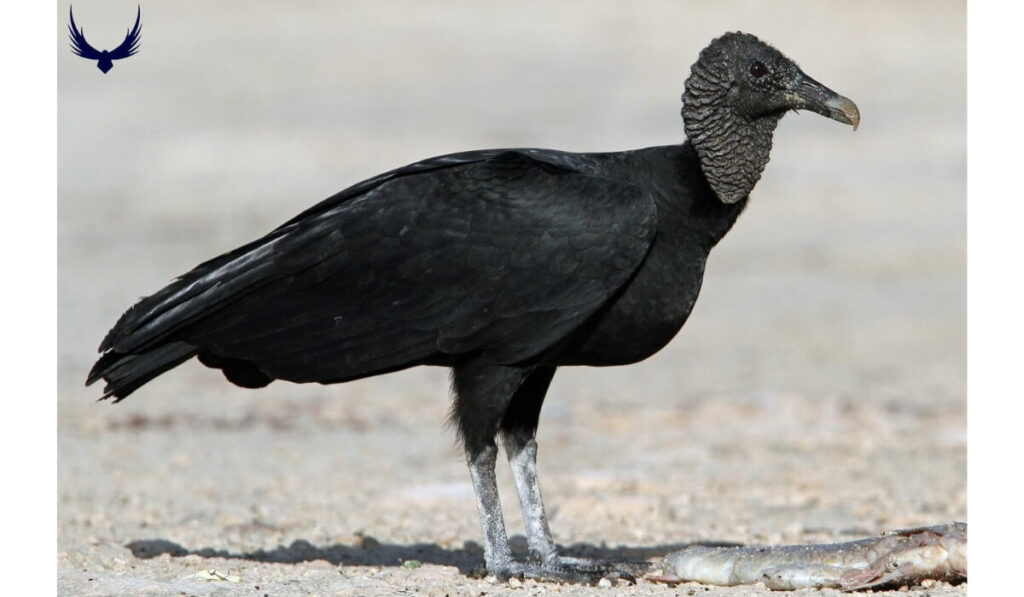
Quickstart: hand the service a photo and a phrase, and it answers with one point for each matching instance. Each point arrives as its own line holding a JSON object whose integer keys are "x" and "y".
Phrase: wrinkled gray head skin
{"x": 737, "y": 91}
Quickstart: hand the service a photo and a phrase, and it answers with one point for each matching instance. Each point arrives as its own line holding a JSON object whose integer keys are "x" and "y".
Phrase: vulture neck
{"x": 733, "y": 149}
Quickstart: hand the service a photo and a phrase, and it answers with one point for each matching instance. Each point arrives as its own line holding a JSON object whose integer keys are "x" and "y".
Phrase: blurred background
{"x": 829, "y": 338}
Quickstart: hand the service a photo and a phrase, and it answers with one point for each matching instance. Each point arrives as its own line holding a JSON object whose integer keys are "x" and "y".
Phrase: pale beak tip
{"x": 849, "y": 111}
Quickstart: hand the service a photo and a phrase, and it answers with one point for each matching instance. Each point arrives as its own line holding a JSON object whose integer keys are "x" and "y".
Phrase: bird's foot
{"x": 569, "y": 570}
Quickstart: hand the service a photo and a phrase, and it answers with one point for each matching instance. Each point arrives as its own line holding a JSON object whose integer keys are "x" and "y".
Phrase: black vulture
{"x": 501, "y": 264}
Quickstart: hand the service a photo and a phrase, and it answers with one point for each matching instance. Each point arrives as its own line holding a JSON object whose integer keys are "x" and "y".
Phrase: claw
{"x": 572, "y": 570}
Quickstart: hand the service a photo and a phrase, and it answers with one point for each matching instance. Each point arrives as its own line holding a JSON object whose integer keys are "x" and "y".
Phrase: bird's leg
{"x": 497, "y": 554}
{"x": 485, "y": 398}
{"x": 522, "y": 458}
{"x": 521, "y": 448}
{"x": 493, "y": 398}
{"x": 518, "y": 429}
{"x": 518, "y": 434}
{"x": 482, "y": 395}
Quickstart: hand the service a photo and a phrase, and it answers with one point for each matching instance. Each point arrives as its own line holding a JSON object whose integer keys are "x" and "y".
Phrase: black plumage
{"x": 501, "y": 264}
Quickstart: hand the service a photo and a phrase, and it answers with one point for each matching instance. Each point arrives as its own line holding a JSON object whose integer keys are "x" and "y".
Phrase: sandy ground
{"x": 817, "y": 393}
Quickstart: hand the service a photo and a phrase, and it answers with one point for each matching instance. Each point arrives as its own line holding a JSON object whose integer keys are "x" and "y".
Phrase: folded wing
{"x": 498, "y": 254}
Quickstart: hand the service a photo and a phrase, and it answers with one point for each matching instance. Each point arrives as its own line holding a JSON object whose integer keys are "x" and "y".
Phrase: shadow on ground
{"x": 469, "y": 559}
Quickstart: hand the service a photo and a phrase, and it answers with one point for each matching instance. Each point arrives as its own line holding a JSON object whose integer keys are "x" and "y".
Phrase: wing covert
{"x": 503, "y": 256}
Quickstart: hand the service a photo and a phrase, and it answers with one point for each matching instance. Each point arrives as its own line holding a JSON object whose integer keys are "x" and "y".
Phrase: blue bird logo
{"x": 105, "y": 58}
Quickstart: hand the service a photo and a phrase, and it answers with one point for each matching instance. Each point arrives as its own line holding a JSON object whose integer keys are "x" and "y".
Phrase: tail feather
{"x": 125, "y": 373}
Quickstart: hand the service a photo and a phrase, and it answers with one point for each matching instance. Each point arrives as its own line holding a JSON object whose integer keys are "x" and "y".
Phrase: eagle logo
{"x": 105, "y": 58}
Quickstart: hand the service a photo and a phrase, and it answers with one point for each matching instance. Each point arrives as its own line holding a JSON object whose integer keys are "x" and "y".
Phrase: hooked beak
{"x": 812, "y": 95}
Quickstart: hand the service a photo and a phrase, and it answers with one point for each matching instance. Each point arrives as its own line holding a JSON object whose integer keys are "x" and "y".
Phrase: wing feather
{"x": 130, "y": 45}
{"x": 79, "y": 45}
{"x": 502, "y": 254}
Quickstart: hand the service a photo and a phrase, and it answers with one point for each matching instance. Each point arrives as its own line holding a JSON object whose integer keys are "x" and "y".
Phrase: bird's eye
{"x": 758, "y": 69}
